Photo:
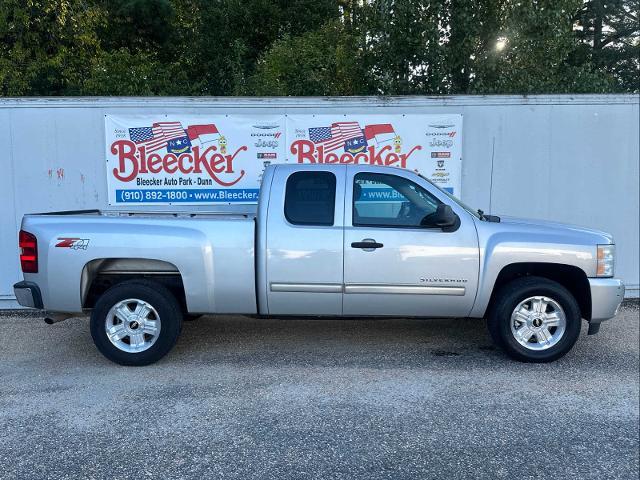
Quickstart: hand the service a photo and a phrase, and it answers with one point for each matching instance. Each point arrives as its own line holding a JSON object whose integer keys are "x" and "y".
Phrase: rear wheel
{"x": 136, "y": 322}
{"x": 535, "y": 320}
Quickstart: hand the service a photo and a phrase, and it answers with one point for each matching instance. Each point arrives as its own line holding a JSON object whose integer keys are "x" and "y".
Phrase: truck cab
{"x": 347, "y": 240}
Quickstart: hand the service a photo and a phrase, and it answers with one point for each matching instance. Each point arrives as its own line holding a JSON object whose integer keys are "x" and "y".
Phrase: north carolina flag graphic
{"x": 203, "y": 133}
{"x": 381, "y": 133}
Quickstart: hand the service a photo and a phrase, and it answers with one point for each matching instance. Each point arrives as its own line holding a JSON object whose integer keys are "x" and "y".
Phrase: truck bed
{"x": 212, "y": 251}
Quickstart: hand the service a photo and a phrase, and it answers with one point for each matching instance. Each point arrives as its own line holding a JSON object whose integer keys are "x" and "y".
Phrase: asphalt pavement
{"x": 243, "y": 398}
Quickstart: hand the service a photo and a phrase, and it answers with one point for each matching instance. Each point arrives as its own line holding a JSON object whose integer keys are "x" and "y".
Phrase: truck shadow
{"x": 383, "y": 342}
{"x": 368, "y": 343}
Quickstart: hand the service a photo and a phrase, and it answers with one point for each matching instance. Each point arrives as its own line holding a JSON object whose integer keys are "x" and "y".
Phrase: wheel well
{"x": 572, "y": 278}
{"x": 101, "y": 274}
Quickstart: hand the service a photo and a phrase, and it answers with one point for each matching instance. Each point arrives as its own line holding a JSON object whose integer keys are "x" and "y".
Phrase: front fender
{"x": 501, "y": 249}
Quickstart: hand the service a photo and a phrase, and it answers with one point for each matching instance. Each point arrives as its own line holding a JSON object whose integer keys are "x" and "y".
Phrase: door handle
{"x": 368, "y": 245}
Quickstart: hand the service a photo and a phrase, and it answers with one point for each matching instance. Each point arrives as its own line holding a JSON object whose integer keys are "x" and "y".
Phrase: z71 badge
{"x": 73, "y": 243}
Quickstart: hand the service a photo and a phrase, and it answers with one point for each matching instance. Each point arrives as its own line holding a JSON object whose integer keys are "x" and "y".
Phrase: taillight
{"x": 28, "y": 252}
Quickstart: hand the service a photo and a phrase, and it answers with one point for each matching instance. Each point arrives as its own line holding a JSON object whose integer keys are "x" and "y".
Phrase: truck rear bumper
{"x": 606, "y": 296}
{"x": 28, "y": 294}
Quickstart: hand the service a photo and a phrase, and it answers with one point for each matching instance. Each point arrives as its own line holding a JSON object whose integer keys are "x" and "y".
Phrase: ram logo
{"x": 73, "y": 243}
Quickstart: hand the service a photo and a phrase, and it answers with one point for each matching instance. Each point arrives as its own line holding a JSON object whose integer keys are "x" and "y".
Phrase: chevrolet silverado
{"x": 325, "y": 240}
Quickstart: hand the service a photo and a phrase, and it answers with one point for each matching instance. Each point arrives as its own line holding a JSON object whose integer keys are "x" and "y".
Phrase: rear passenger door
{"x": 304, "y": 247}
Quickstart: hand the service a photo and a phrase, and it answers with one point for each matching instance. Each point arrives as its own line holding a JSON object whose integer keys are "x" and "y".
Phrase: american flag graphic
{"x": 336, "y": 135}
{"x": 156, "y": 137}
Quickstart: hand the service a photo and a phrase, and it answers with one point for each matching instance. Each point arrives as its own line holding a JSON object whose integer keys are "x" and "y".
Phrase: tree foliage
{"x": 538, "y": 55}
{"x": 45, "y": 45}
{"x": 317, "y": 47}
{"x": 324, "y": 61}
{"x": 609, "y": 32}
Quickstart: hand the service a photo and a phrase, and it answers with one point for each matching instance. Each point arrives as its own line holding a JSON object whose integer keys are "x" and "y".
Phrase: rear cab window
{"x": 310, "y": 198}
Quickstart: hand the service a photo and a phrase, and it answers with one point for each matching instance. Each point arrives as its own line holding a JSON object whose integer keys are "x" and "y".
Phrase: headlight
{"x": 606, "y": 260}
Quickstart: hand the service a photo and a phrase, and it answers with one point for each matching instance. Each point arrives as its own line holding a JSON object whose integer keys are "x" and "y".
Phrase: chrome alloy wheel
{"x": 538, "y": 323}
{"x": 132, "y": 325}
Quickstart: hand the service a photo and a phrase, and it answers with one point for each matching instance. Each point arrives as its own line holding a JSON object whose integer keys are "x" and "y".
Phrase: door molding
{"x": 307, "y": 287}
{"x": 402, "y": 289}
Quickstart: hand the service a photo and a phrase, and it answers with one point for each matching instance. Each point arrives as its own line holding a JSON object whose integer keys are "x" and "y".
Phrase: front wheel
{"x": 534, "y": 320}
{"x": 136, "y": 322}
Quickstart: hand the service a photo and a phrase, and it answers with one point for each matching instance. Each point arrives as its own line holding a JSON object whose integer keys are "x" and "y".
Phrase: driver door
{"x": 393, "y": 264}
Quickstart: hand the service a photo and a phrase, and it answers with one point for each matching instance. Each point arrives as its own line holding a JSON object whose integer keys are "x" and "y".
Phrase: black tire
{"x": 162, "y": 301}
{"x": 508, "y": 298}
{"x": 190, "y": 317}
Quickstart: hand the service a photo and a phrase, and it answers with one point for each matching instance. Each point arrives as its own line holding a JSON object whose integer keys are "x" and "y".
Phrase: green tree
{"x": 427, "y": 47}
{"x": 533, "y": 52}
{"x": 469, "y": 31}
{"x": 319, "y": 62}
{"x": 137, "y": 25}
{"x": 317, "y": 47}
{"x": 610, "y": 35}
{"x": 46, "y": 46}
{"x": 142, "y": 48}
{"x": 401, "y": 43}
{"x": 230, "y": 35}
{"x": 141, "y": 74}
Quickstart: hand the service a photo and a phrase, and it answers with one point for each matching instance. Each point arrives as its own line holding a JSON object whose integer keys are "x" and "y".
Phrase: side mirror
{"x": 444, "y": 217}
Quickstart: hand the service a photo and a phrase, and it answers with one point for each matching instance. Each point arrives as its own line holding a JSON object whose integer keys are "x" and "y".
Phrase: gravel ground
{"x": 246, "y": 398}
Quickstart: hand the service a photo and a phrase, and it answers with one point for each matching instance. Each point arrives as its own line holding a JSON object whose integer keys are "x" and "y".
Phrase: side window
{"x": 310, "y": 198}
{"x": 381, "y": 200}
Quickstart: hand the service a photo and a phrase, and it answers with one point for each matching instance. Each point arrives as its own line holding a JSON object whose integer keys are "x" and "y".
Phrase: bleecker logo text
{"x": 307, "y": 151}
{"x": 133, "y": 160}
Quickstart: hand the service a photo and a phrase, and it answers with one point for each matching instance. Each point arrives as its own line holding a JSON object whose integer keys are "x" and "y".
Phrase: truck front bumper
{"x": 28, "y": 294}
{"x": 606, "y": 296}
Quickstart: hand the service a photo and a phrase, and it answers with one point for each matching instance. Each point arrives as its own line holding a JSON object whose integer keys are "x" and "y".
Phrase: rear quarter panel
{"x": 215, "y": 256}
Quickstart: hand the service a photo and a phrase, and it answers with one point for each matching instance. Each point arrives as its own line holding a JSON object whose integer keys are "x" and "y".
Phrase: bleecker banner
{"x": 203, "y": 159}
{"x": 190, "y": 159}
{"x": 429, "y": 144}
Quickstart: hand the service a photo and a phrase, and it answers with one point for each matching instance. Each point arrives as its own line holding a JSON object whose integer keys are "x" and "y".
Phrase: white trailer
{"x": 568, "y": 158}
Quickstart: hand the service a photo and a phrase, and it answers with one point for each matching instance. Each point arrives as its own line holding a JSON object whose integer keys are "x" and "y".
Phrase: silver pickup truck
{"x": 325, "y": 240}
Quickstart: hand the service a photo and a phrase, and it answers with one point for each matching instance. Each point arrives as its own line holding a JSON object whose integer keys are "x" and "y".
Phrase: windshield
{"x": 455, "y": 199}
